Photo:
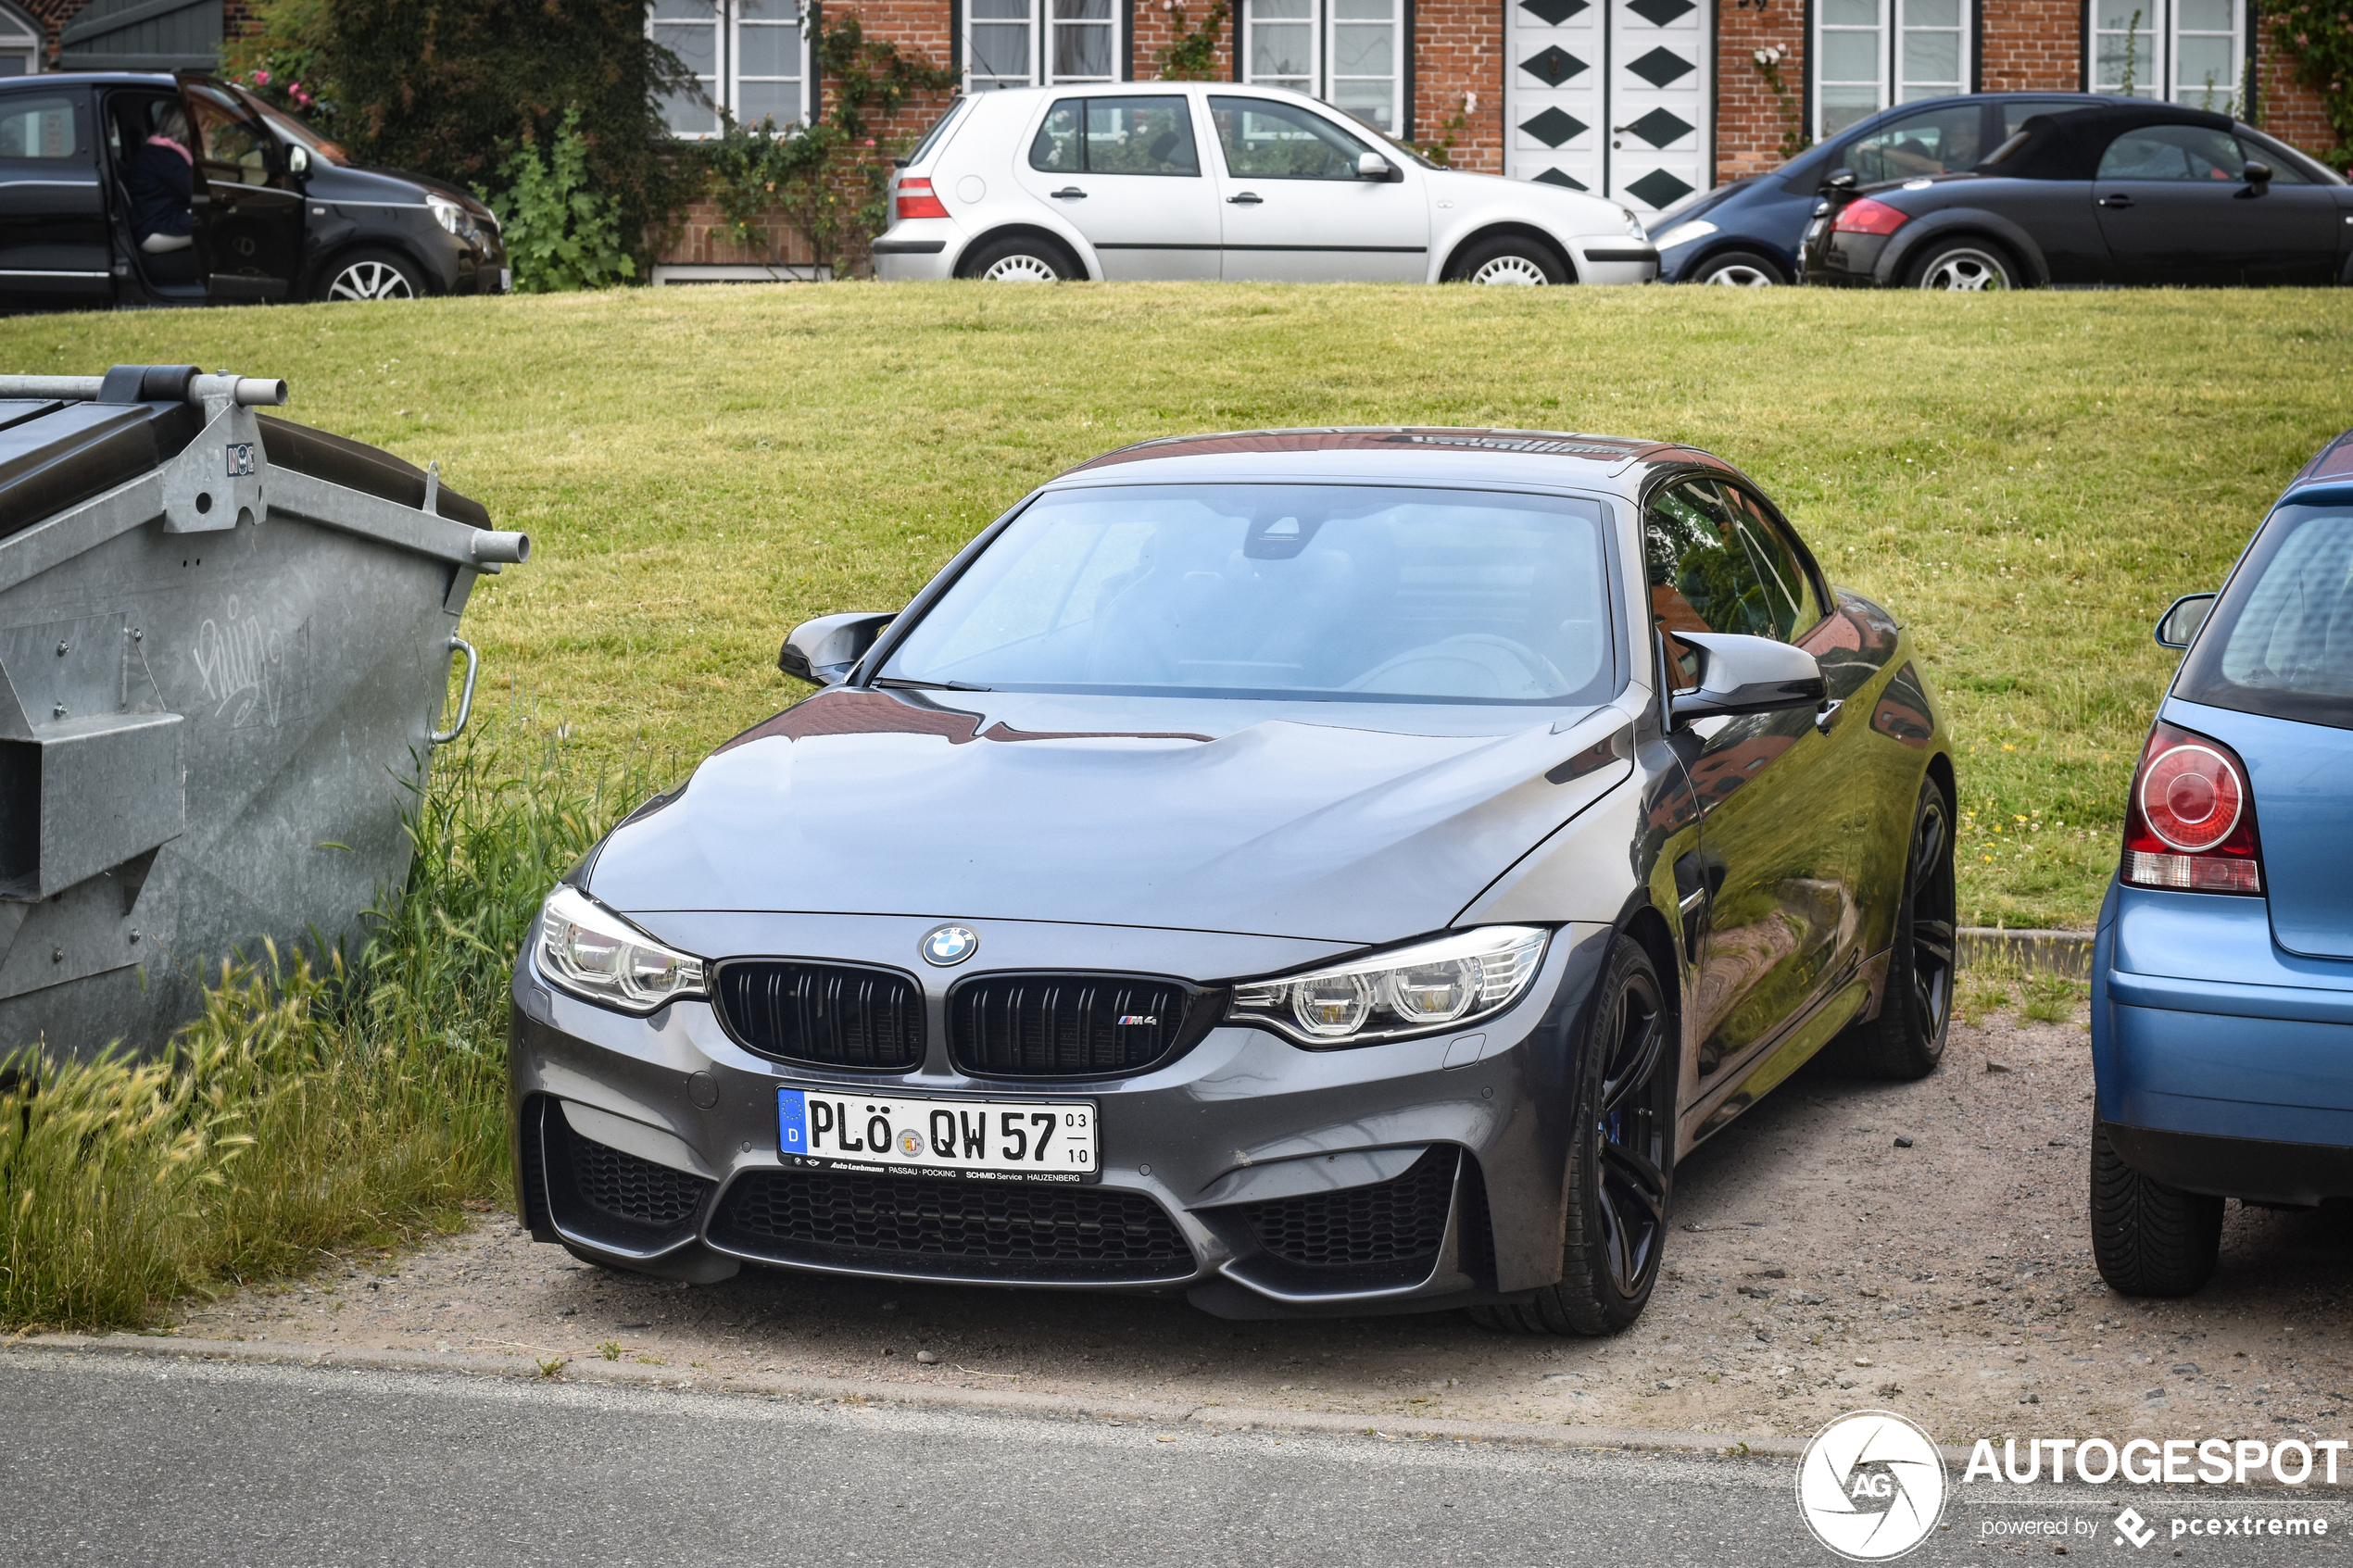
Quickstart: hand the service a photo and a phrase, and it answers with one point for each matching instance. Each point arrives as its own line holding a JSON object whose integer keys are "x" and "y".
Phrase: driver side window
{"x": 2174, "y": 152}
{"x": 1937, "y": 142}
{"x": 1267, "y": 140}
{"x": 232, "y": 147}
{"x": 1702, "y": 572}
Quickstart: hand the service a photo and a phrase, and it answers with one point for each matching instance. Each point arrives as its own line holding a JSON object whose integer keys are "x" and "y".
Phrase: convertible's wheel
{"x": 1021, "y": 259}
{"x": 2148, "y": 1238}
{"x": 1907, "y": 1040}
{"x": 1507, "y": 261}
{"x": 1621, "y": 1164}
{"x": 1738, "y": 270}
{"x": 373, "y": 275}
{"x": 1964, "y": 265}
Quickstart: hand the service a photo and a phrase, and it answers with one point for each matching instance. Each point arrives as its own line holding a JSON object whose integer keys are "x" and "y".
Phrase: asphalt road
{"x": 120, "y": 1459}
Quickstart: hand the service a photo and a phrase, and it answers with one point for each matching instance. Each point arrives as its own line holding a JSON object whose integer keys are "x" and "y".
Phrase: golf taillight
{"x": 915, "y": 200}
{"x": 2190, "y": 823}
{"x": 1864, "y": 216}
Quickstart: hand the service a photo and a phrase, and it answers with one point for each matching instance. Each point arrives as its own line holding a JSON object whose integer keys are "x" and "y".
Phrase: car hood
{"x": 1599, "y": 213}
{"x": 1349, "y": 822}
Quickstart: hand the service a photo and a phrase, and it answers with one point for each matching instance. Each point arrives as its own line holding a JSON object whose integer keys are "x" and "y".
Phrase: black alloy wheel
{"x": 2148, "y": 1238}
{"x": 1621, "y": 1163}
{"x": 1907, "y": 1040}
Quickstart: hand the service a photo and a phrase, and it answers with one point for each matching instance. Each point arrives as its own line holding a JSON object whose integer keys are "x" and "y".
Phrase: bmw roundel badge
{"x": 946, "y": 945}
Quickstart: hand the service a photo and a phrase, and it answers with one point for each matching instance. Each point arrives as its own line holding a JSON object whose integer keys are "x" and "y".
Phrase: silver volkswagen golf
{"x": 1315, "y": 871}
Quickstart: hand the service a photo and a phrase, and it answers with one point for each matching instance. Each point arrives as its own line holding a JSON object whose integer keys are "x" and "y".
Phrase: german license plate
{"x": 974, "y": 1140}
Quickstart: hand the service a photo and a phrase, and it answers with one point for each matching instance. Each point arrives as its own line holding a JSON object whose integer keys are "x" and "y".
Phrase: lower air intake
{"x": 1401, "y": 1221}
{"x": 633, "y": 1190}
{"x": 952, "y": 1229}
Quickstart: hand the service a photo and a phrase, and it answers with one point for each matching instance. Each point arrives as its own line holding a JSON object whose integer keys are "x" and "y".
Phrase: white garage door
{"x": 1611, "y": 96}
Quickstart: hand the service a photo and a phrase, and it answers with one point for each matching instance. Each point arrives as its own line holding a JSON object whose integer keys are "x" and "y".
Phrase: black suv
{"x": 280, "y": 212}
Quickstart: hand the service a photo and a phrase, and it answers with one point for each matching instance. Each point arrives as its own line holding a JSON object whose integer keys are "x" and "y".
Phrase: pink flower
{"x": 262, "y": 79}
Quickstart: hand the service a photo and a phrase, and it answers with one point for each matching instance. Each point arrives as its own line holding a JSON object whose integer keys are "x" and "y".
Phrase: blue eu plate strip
{"x": 792, "y": 1122}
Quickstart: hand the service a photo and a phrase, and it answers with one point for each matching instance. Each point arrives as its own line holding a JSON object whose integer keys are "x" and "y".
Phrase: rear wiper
{"x": 898, "y": 684}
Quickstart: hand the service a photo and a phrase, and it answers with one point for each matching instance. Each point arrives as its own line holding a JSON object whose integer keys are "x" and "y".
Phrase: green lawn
{"x": 2025, "y": 481}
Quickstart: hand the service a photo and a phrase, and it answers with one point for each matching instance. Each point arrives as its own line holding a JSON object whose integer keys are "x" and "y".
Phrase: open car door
{"x": 248, "y": 211}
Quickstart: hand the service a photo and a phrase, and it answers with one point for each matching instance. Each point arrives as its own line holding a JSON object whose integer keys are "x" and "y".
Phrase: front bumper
{"x": 2223, "y": 1063}
{"x": 1615, "y": 261}
{"x": 1205, "y": 1161}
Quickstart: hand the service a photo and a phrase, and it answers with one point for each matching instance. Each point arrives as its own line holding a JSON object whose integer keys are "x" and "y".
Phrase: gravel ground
{"x": 1816, "y": 1266}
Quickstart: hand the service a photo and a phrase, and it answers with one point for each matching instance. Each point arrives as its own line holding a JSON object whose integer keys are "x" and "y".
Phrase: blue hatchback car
{"x": 2223, "y": 975}
{"x": 1749, "y": 231}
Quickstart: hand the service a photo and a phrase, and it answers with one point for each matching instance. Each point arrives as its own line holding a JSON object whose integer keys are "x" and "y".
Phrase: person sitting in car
{"x": 160, "y": 179}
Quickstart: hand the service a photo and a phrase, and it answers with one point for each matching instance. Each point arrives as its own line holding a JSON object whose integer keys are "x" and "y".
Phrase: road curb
{"x": 850, "y": 1390}
{"x": 2054, "y": 952}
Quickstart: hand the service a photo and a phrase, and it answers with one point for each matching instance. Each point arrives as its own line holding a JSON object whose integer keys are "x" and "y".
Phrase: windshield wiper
{"x": 900, "y": 684}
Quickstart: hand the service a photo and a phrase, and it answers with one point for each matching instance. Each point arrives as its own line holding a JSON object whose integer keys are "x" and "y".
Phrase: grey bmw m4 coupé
{"x": 1316, "y": 872}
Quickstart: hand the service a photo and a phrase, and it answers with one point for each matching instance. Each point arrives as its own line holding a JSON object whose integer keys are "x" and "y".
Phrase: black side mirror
{"x": 2258, "y": 174}
{"x": 2178, "y": 627}
{"x": 1838, "y": 183}
{"x": 1741, "y": 674}
{"x": 826, "y": 650}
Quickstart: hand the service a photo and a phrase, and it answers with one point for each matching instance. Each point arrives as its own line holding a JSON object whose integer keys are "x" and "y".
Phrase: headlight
{"x": 1685, "y": 234}
{"x": 451, "y": 216}
{"x": 1440, "y": 984}
{"x": 598, "y": 956}
{"x": 1634, "y": 225}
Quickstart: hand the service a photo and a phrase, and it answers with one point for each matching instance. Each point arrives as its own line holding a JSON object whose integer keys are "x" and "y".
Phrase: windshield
{"x": 1349, "y": 593}
{"x": 2281, "y": 640}
{"x": 293, "y": 131}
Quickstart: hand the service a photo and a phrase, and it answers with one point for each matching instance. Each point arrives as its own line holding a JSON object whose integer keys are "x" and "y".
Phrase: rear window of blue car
{"x": 1354, "y": 593}
{"x": 2280, "y": 641}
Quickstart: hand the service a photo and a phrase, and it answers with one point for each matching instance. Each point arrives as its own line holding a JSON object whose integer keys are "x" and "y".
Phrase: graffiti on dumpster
{"x": 252, "y": 674}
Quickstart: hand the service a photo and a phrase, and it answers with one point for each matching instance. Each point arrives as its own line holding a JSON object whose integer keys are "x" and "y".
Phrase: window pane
{"x": 1282, "y": 53}
{"x": 1272, "y": 140}
{"x": 40, "y": 128}
{"x": 2206, "y": 16}
{"x": 1247, "y": 591}
{"x": 1373, "y": 101}
{"x": 1000, "y": 55}
{"x": 768, "y": 51}
{"x": 1843, "y": 106}
{"x": 1139, "y": 136}
{"x": 1362, "y": 49}
{"x": 695, "y": 43}
{"x": 1082, "y": 51}
{"x": 1850, "y": 13}
{"x": 1001, "y": 10}
{"x": 2205, "y": 71}
{"x": 779, "y": 101}
{"x": 1056, "y": 148}
{"x": 1932, "y": 13}
{"x": 1932, "y": 57}
{"x": 1282, "y": 10}
{"x": 2172, "y": 152}
{"x": 1850, "y": 56}
{"x": 2283, "y": 171}
{"x": 1082, "y": 11}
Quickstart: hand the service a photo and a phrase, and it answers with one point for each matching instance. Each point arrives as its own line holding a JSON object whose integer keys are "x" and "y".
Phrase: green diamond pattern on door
{"x": 1554, "y": 66}
{"x": 1659, "y": 188}
{"x": 1660, "y": 13}
{"x": 1661, "y": 67}
{"x": 1553, "y": 128}
{"x": 1553, "y": 12}
{"x": 1659, "y": 127}
{"x": 1554, "y": 177}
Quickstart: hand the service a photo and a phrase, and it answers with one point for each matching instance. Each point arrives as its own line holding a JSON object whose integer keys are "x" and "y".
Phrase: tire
{"x": 1621, "y": 1163}
{"x": 1965, "y": 266}
{"x": 373, "y": 274}
{"x": 2148, "y": 1238}
{"x": 1022, "y": 259}
{"x": 1739, "y": 270}
{"x": 1907, "y": 1040}
{"x": 1506, "y": 260}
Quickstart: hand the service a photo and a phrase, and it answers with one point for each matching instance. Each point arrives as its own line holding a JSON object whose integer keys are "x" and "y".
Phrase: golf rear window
{"x": 2280, "y": 642}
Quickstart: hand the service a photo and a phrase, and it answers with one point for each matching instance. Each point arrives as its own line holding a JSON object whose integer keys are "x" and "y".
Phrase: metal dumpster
{"x": 224, "y": 642}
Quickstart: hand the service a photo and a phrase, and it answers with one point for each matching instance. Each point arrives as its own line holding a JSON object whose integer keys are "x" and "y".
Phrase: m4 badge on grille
{"x": 1126, "y": 1019}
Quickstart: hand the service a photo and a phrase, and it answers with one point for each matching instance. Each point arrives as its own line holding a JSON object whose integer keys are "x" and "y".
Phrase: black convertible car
{"x": 2116, "y": 193}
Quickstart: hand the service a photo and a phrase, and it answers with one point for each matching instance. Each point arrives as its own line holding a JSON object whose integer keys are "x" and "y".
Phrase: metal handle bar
{"x": 465, "y": 698}
{"x": 250, "y": 391}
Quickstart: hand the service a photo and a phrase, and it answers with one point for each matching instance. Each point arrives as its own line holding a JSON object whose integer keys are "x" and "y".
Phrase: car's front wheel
{"x": 1965, "y": 266}
{"x": 1508, "y": 261}
{"x": 373, "y": 275}
{"x": 2148, "y": 1238}
{"x": 1021, "y": 258}
{"x": 1621, "y": 1160}
{"x": 1738, "y": 270}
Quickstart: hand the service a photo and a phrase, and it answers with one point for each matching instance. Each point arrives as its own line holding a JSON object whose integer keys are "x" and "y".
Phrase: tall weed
{"x": 318, "y": 1101}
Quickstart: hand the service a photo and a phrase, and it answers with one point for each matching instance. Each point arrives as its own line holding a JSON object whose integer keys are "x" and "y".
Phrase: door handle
{"x": 1070, "y": 192}
{"x": 1248, "y": 198}
{"x": 1827, "y": 715}
{"x": 2118, "y": 201}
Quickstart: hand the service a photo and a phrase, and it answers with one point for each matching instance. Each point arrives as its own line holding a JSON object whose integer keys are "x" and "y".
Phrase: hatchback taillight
{"x": 2190, "y": 823}
{"x": 1864, "y": 216}
{"x": 915, "y": 200}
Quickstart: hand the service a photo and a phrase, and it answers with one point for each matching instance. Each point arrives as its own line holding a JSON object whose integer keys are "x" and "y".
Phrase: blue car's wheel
{"x": 2149, "y": 1239}
{"x": 1621, "y": 1166}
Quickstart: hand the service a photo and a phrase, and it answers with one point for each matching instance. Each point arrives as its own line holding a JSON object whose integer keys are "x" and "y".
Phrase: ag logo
{"x": 945, "y": 944}
{"x": 1871, "y": 1486}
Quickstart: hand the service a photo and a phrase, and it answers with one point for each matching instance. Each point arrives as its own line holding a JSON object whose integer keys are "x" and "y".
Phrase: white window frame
{"x": 1890, "y": 86}
{"x": 22, "y": 37}
{"x": 1320, "y": 81}
{"x": 725, "y": 88}
{"x": 2157, "y": 55}
{"x": 1042, "y": 24}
